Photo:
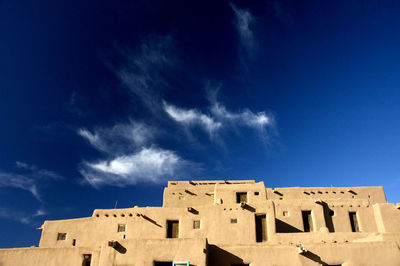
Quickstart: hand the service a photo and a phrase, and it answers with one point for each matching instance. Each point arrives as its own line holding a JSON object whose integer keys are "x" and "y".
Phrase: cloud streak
{"x": 243, "y": 21}
{"x": 21, "y": 182}
{"x": 119, "y": 138}
{"x": 219, "y": 118}
{"x": 149, "y": 164}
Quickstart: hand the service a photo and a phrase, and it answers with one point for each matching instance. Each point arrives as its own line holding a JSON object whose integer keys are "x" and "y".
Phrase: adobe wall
{"x": 35, "y": 256}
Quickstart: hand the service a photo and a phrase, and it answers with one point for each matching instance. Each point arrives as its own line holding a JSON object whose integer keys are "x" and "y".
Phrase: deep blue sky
{"x": 104, "y": 101}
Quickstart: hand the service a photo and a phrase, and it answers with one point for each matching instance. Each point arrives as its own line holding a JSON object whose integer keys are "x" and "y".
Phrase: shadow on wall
{"x": 328, "y": 213}
{"x": 221, "y": 257}
{"x": 282, "y": 227}
{"x": 314, "y": 257}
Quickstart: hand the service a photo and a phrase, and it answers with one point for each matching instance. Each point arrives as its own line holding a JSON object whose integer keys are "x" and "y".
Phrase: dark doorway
{"x": 241, "y": 197}
{"x": 354, "y": 222}
{"x": 87, "y": 258}
{"x": 261, "y": 228}
{"x": 307, "y": 221}
{"x": 162, "y": 263}
{"x": 172, "y": 229}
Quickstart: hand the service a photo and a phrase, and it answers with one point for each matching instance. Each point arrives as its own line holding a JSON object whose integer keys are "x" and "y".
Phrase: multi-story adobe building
{"x": 228, "y": 223}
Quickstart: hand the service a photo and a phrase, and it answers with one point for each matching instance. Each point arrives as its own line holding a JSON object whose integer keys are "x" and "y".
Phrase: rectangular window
{"x": 234, "y": 221}
{"x": 241, "y": 197}
{"x": 121, "y": 228}
{"x": 163, "y": 263}
{"x": 196, "y": 224}
{"x": 307, "y": 221}
{"x": 172, "y": 229}
{"x": 62, "y": 236}
{"x": 180, "y": 263}
{"x": 261, "y": 228}
{"x": 73, "y": 242}
{"x": 87, "y": 258}
{"x": 354, "y": 222}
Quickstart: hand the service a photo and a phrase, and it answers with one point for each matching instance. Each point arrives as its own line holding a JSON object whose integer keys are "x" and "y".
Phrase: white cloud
{"x": 219, "y": 118}
{"x": 243, "y": 21}
{"x": 119, "y": 138}
{"x": 19, "y": 181}
{"x": 37, "y": 171}
{"x": 255, "y": 120}
{"x": 21, "y": 216}
{"x": 149, "y": 164}
{"x": 191, "y": 117}
{"x": 144, "y": 72}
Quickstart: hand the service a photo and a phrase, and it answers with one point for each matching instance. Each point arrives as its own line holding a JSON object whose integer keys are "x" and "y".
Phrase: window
{"x": 354, "y": 222}
{"x": 163, "y": 263}
{"x": 234, "y": 221}
{"x": 61, "y": 236}
{"x": 172, "y": 229}
{"x": 285, "y": 213}
{"x": 121, "y": 228}
{"x": 261, "y": 228}
{"x": 196, "y": 224}
{"x": 87, "y": 258}
{"x": 241, "y": 197}
{"x": 73, "y": 242}
{"x": 256, "y": 193}
{"x": 180, "y": 263}
{"x": 307, "y": 221}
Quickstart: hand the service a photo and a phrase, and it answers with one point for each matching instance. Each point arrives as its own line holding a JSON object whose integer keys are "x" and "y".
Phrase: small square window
{"x": 256, "y": 193}
{"x": 234, "y": 221}
{"x": 331, "y": 213}
{"x": 121, "y": 228}
{"x": 285, "y": 213}
{"x": 61, "y": 236}
{"x": 196, "y": 224}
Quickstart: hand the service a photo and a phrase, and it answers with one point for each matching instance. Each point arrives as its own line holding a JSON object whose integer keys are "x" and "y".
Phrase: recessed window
{"x": 196, "y": 224}
{"x": 62, "y": 236}
{"x": 241, "y": 197}
{"x": 307, "y": 221}
{"x": 234, "y": 221}
{"x": 354, "y": 222}
{"x": 256, "y": 193}
{"x": 285, "y": 213}
{"x": 172, "y": 229}
{"x": 121, "y": 228}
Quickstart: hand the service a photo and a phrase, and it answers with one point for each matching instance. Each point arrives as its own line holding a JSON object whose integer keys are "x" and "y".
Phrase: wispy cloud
{"x": 219, "y": 117}
{"x": 119, "y": 138}
{"x": 144, "y": 73}
{"x": 21, "y": 216}
{"x": 191, "y": 117}
{"x": 19, "y": 181}
{"x": 149, "y": 164}
{"x": 243, "y": 21}
{"x": 34, "y": 170}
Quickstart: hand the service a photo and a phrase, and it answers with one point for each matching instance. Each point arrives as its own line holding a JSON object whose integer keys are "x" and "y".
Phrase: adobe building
{"x": 228, "y": 223}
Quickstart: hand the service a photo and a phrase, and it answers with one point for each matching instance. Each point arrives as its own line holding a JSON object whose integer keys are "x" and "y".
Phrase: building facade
{"x": 228, "y": 223}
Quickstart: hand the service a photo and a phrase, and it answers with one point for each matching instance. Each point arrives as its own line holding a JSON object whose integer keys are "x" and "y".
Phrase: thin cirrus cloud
{"x": 219, "y": 118}
{"x": 119, "y": 138}
{"x": 192, "y": 117}
{"x": 21, "y": 182}
{"x": 243, "y": 20}
{"x": 148, "y": 164}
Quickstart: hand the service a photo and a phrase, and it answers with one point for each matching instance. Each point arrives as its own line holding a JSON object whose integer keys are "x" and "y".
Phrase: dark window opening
{"x": 61, "y": 236}
{"x": 256, "y": 193}
{"x": 331, "y": 213}
{"x": 233, "y": 221}
{"x": 73, "y": 242}
{"x": 261, "y": 228}
{"x": 307, "y": 221}
{"x": 163, "y": 263}
{"x": 241, "y": 197}
{"x": 354, "y": 222}
{"x": 196, "y": 224}
{"x": 121, "y": 228}
{"x": 87, "y": 258}
{"x": 172, "y": 229}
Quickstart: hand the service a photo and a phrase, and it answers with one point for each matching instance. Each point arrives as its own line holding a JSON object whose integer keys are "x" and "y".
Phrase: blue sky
{"x": 105, "y": 101}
